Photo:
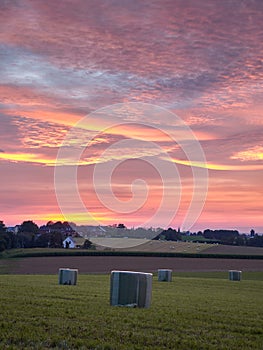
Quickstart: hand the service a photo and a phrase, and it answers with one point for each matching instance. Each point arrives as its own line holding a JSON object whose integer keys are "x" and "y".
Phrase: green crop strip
{"x": 194, "y": 311}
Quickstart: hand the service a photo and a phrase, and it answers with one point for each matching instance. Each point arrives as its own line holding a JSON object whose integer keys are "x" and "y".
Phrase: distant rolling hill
{"x": 144, "y": 245}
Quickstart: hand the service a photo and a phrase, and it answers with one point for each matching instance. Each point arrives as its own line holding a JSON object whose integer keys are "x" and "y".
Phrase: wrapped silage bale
{"x": 67, "y": 276}
{"x": 164, "y": 275}
{"x": 129, "y": 288}
{"x": 235, "y": 275}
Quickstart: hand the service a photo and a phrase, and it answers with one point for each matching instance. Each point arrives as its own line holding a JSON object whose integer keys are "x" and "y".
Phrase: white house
{"x": 73, "y": 242}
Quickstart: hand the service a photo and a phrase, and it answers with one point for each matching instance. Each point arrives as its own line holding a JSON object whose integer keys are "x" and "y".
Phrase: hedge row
{"x": 29, "y": 253}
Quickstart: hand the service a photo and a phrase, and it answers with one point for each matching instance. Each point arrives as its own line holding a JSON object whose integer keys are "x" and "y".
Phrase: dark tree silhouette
{"x": 29, "y": 227}
{"x": 87, "y": 244}
{"x": 2, "y": 227}
{"x": 169, "y": 235}
{"x": 121, "y": 226}
{"x": 7, "y": 239}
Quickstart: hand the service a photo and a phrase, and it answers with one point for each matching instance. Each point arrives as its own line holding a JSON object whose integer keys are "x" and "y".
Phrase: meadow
{"x": 194, "y": 311}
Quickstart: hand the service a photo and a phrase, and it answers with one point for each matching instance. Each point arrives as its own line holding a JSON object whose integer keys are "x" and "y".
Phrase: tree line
{"x": 228, "y": 237}
{"x": 51, "y": 235}
{"x": 29, "y": 235}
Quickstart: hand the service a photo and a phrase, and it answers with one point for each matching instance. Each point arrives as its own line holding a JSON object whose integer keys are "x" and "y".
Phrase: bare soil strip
{"x": 105, "y": 264}
{"x": 230, "y": 249}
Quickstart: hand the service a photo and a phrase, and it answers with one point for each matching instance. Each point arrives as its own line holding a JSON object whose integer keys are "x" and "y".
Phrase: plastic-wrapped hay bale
{"x": 164, "y": 275}
{"x": 235, "y": 275}
{"x": 129, "y": 288}
{"x": 67, "y": 276}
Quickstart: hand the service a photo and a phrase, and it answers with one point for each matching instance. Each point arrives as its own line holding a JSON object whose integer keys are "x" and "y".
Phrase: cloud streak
{"x": 222, "y": 167}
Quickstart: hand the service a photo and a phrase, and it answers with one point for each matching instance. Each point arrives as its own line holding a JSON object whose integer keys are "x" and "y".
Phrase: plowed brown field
{"x": 104, "y": 264}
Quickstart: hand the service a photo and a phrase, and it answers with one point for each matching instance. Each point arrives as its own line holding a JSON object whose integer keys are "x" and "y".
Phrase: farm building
{"x": 73, "y": 242}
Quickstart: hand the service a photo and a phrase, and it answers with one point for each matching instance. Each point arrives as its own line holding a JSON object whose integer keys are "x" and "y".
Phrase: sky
{"x": 139, "y": 112}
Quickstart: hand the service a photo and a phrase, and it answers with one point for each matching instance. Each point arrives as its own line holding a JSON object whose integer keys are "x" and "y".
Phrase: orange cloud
{"x": 254, "y": 153}
{"x": 54, "y": 116}
{"x": 222, "y": 167}
{"x": 26, "y": 157}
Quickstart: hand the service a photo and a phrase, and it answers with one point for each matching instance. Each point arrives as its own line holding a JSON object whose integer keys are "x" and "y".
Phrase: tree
{"x": 50, "y": 223}
{"x": 29, "y": 227}
{"x": 121, "y": 226}
{"x": 2, "y": 227}
{"x": 52, "y": 239}
{"x": 256, "y": 241}
{"x": 6, "y": 238}
{"x": 169, "y": 235}
{"x": 87, "y": 244}
{"x": 26, "y": 234}
{"x": 3, "y": 241}
{"x": 56, "y": 240}
{"x": 224, "y": 236}
{"x": 42, "y": 241}
{"x": 25, "y": 240}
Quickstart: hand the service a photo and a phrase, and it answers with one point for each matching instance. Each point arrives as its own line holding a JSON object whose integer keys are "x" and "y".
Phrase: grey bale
{"x": 67, "y": 276}
{"x": 235, "y": 275}
{"x": 131, "y": 289}
{"x": 165, "y": 275}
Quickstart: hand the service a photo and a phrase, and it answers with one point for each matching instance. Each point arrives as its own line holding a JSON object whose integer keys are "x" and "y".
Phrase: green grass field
{"x": 195, "y": 311}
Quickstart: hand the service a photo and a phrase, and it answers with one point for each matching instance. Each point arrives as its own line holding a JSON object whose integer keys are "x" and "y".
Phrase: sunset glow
{"x": 201, "y": 61}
